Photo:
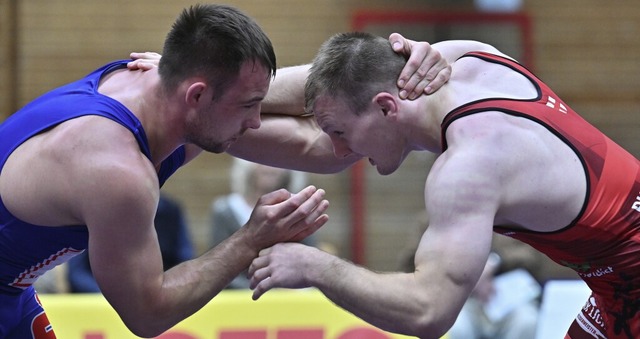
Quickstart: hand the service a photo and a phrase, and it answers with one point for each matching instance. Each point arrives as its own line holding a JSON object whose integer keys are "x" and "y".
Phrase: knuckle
{"x": 271, "y": 215}
{"x": 413, "y": 62}
{"x": 422, "y": 72}
{"x": 296, "y": 203}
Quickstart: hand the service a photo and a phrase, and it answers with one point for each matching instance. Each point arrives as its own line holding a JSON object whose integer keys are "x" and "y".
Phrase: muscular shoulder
{"x": 113, "y": 165}
{"x": 495, "y": 145}
{"x": 525, "y": 169}
{"x": 478, "y": 163}
{"x": 53, "y": 177}
{"x": 99, "y": 148}
{"x": 475, "y": 79}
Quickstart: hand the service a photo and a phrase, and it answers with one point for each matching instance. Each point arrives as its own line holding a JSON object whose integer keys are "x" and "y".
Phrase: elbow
{"x": 144, "y": 330}
{"x": 430, "y": 325}
{"x": 429, "y": 329}
{"x": 147, "y": 323}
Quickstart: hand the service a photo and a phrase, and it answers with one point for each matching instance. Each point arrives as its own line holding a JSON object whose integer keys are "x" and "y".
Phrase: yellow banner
{"x": 279, "y": 314}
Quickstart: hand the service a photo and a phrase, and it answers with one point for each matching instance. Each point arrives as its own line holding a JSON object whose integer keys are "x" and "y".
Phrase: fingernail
{"x": 400, "y": 83}
{"x": 397, "y": 45}
{"x": 403, "y": 94}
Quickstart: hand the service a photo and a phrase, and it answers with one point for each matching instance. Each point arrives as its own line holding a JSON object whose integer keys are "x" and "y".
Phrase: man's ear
{"x": 195, "y": 93}
{"x": 387, "y": 103}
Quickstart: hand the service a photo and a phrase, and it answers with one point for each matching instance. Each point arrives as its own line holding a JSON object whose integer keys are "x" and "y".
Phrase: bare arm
{"x": 296, "y": 142}
{"x": 124, "y": 250}
{"x": 286, "y": 93}
{"x": 425, "y": 72}
{"x": 127, "y": 264}
{"x": 299, "y": 144}
{"x": 449, "y": 261}
{"x": 290, "y": 142}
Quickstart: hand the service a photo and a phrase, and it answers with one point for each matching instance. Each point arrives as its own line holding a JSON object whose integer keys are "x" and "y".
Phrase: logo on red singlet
{"x": 636, "y": 204}
{"x": 590, "y": 319}
{"x": 29, "y": 276}
{"x": 586, "y": 270}
{"x": 551, "y": 103}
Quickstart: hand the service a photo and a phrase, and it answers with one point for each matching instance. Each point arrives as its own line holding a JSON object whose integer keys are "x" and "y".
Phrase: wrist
{"x": 325, "y": 267}
{"x": 245, "y": 244}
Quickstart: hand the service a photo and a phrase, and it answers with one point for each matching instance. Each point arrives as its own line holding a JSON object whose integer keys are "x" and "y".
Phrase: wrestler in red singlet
{"x": 602, "y": 244}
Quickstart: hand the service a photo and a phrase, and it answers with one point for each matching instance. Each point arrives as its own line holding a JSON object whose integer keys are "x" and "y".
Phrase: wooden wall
{"x": 585, "y": 49}
{"x": 7, "y": 49}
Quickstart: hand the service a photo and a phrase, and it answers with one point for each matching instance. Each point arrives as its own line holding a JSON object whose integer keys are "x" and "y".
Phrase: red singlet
{"x": 603, "y": 243}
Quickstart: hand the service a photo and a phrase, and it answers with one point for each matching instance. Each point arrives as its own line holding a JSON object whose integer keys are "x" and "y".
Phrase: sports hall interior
{"x": 586, "y": 50}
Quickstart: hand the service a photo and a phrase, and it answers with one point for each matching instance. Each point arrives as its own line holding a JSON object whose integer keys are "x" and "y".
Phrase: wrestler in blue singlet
{"x": 28, "y": 251}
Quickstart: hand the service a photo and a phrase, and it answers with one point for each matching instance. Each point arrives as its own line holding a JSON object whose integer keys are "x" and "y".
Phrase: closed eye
{"x": 252, "y": 103}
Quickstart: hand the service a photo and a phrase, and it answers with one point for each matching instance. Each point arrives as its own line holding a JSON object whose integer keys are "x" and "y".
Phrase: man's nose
{"x": 254, "y": 122}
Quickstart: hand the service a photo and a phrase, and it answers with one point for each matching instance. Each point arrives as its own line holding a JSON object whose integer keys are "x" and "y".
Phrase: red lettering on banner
{"x": 300, "y": 333}
{"x": 94, "y": 336}
{"x": 363, "y": 333}
{"x": 176, "y": 335}
{"x": 41, "y": 327}
{"x": 257, "y": 334}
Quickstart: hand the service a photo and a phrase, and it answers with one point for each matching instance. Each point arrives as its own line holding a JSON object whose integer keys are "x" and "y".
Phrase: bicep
{"x": 286, "y": 93}
{"x": 454, "y": 248}
{"x": 123, "y": 246}
{"x": 290, "y": 142}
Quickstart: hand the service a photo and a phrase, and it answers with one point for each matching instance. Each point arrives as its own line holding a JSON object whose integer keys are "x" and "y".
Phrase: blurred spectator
{"x": 499, "y": 311}
{"x": 173, "y": 237}
{"x": 249, "y": 181}
{"x": 54, "y": 281}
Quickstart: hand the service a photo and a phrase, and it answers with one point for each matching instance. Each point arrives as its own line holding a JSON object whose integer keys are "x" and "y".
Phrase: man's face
{"x": 217, "y": 125}
{"x": 371, "y": 134}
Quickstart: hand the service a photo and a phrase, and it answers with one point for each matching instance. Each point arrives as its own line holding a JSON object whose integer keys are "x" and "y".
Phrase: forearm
{"x": 184, "y": 289}
{"x": 286, "y": 93}
{"x": 191, "y": 285}
{"x": 160, "y": 300}
{"x": 290, "y": 142}
{"x": 395, "y": 302}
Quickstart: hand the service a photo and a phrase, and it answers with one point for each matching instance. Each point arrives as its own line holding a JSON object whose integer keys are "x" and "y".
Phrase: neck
{"x": 427, "y": 115}
{"x": 142, "y": 94}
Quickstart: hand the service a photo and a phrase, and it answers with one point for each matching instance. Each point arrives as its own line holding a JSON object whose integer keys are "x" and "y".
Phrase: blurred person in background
{"x": 249, "y": 181}
{"x": 499, "y": 311}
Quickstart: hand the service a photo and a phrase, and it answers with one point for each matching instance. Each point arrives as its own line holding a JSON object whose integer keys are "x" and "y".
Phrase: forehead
{"x": 330, "y": 111}
{"x": 253, "y": 79}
